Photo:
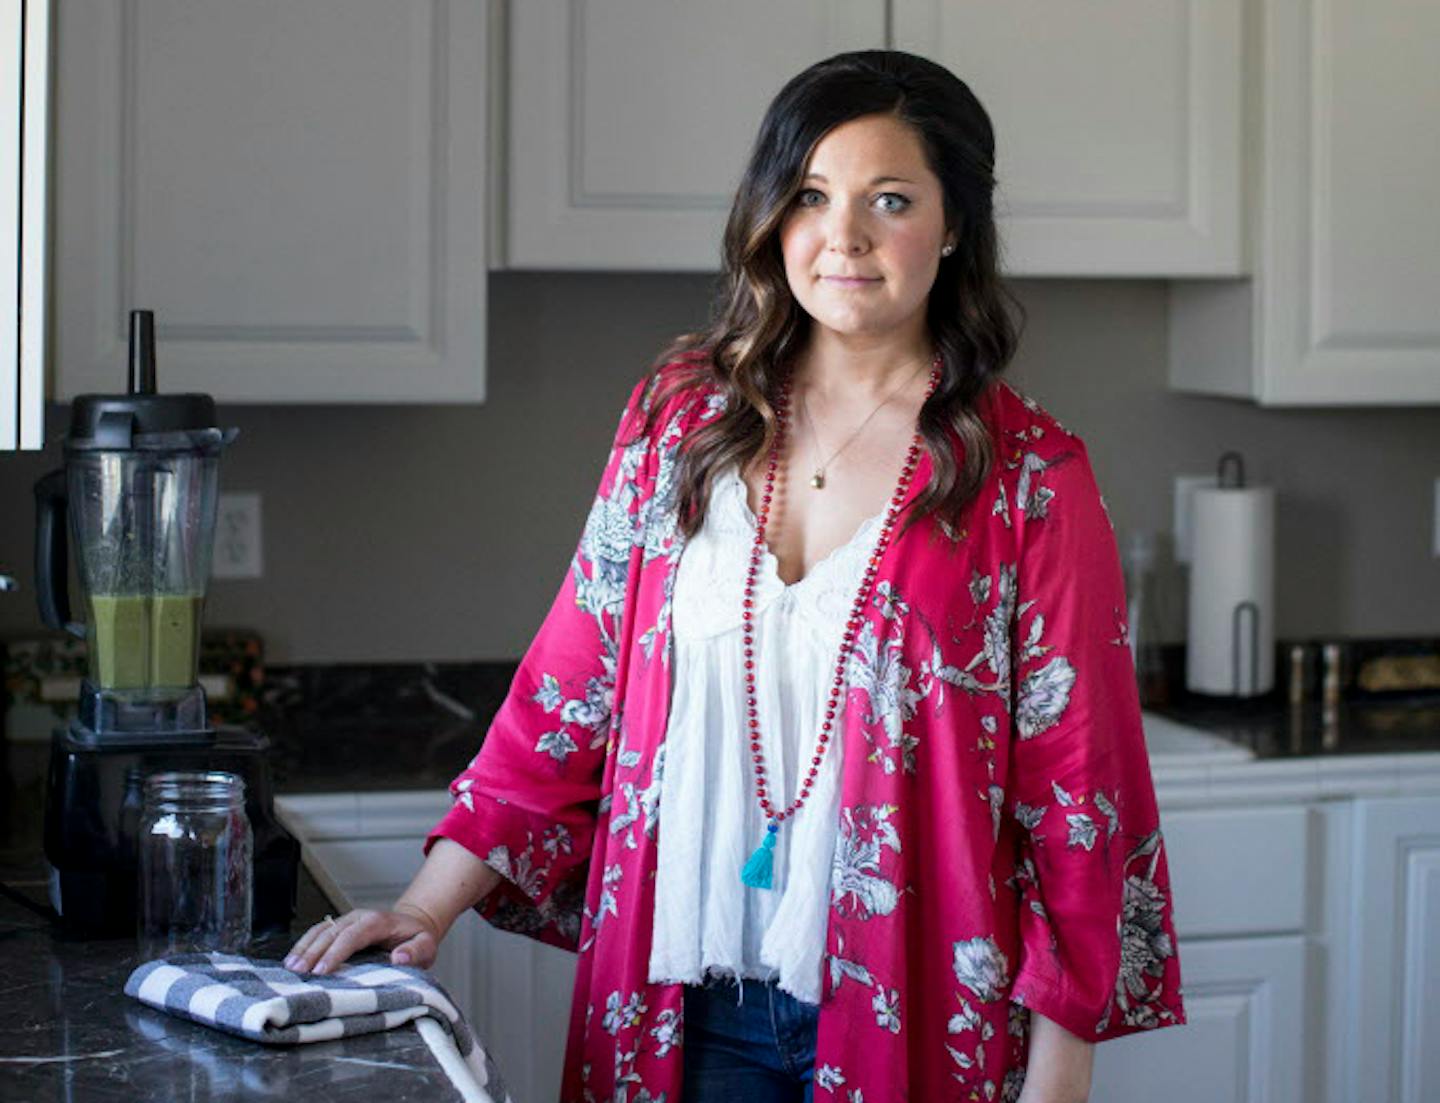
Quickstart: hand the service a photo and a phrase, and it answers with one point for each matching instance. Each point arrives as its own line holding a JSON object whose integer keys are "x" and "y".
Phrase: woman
{"x": 827, "y": 517}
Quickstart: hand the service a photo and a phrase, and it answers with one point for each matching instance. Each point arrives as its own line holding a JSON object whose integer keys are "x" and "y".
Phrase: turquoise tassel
{"x": 759, "y": 869}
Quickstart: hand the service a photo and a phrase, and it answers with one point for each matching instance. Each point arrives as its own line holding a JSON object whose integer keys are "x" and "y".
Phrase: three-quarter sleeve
{"x": 1097, "y": 939}
{"x": 526, "y": 804}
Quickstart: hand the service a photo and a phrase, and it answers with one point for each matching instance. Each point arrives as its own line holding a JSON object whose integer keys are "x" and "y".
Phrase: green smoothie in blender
{"x": 144, "y": 641}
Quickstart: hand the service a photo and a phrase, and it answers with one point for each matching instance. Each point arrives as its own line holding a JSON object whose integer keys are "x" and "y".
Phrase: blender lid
{"x": 169, "y": 422}
{"x": 144, "y": 420}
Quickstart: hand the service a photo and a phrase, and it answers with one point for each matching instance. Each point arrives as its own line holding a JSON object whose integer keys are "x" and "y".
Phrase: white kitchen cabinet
{"x": 1243, "y": 1041}
{"x": 619, "y": 165}
{"x": 24, "y": 170}
{"x": 515, "y": 992}
{"x": 630, "y": 121}
{"x": 1341, "y": 310}
{"x": 1306, "y": 895}
{"x": 297, "y": 190}
{"x": 1240, "y": 878}
{"x": 1392, "y": 964}
{"x": 1117, "y": 128}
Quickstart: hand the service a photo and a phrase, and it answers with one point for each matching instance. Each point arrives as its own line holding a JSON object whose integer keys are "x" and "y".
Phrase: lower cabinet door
{"x": 520, "y": 1000}
{"x": 1394, "y": 963}
{"x": 1244, "y": 1038}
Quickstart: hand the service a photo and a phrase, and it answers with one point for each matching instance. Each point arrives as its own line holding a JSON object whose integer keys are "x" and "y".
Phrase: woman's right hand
{"x": 408, "y": 932}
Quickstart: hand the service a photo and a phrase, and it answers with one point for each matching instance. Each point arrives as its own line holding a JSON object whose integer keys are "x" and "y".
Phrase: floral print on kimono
{"x": 998, "y": 847}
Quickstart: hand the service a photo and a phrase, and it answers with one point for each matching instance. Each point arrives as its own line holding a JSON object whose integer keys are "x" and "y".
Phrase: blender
{"x": 137, "y": 501}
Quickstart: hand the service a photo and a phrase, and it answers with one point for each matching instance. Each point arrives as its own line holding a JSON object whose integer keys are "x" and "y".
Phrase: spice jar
{"x": 196, "y": 864}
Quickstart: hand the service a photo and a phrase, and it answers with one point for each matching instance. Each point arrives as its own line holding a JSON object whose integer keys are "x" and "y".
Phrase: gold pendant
{"x": 817, "y": 480}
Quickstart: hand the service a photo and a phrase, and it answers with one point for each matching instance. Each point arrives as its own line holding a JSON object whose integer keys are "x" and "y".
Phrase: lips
{"x": 850, "y": 281}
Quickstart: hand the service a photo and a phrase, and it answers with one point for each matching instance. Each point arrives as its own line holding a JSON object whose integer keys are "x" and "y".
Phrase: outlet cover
{"x": 1435, "y": 522}
{"x": 1184, "y": 484}
{"x": 238, "y": 545}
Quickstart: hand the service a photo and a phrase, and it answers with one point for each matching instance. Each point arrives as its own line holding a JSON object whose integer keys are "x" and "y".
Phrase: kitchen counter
{"x": 1370, "y": 745}
{"x": 69, "y": 1033}
{"x": 338, "y": 728}
{"x": 1365, "y": 721}
{"x": 353, "y": 740}
{"x": 1270, "y": 728}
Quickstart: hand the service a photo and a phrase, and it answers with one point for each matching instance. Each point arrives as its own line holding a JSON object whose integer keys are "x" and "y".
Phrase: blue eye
{"x": 902, "y": 202}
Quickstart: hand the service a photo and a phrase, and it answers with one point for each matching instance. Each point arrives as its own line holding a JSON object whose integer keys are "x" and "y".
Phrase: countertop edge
{"x": 322, "y": 876}
{"x": 1187, "y": 782}
{"x": 1297, "y": 780}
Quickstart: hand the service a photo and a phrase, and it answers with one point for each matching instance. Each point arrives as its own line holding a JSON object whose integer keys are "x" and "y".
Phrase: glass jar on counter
{"x": 196, "y": 864}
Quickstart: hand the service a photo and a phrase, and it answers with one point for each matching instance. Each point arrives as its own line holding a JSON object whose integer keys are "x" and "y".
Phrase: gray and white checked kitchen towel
{"x": 266, "y": 1002}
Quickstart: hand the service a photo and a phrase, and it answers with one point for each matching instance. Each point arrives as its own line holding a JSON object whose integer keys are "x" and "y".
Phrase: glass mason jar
{"x": 196, "y": 864}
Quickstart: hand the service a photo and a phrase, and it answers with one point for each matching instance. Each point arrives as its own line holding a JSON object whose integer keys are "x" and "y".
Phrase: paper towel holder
{"x": 1241, "y": 607}
{"x": 1239, "y": 473}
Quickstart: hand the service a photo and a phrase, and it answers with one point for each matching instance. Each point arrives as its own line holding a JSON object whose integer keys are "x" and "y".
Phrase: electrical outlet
{"x": 238, "y": 543}
{"x": 1184, "y": 484}
{"x": 1435, "y": 520}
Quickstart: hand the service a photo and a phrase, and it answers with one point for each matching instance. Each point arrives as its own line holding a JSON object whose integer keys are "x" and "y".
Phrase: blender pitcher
{"x": 139, "y": 487}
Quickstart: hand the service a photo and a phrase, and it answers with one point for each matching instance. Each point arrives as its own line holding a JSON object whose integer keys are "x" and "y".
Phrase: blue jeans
{"x": 759, "y": 1049}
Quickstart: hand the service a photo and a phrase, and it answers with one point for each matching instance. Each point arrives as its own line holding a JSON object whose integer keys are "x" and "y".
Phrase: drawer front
{"x": 1239, "y": 871}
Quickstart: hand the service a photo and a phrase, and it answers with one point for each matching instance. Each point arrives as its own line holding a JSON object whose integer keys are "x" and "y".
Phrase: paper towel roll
{"x": 1232, "y": 563}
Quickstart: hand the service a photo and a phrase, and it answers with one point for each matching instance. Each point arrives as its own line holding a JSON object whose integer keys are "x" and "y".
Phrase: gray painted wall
{"x": 441, "y": 533}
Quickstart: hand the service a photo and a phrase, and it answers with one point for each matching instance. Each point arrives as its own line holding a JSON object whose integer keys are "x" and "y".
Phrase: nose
{"x": 846, "y": 233}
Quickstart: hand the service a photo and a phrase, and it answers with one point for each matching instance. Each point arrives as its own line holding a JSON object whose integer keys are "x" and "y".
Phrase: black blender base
{"x": 92, "y": 820}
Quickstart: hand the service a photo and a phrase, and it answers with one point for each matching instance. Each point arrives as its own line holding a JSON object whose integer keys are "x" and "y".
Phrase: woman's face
{"x": 869, "y": 207}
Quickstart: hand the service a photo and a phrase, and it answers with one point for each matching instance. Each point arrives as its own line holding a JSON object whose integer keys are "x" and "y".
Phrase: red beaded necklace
{"x": 757, "y": 872}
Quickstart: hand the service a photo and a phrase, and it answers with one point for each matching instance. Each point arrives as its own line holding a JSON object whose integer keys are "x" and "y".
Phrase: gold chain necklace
{"x": 817, "y": 480}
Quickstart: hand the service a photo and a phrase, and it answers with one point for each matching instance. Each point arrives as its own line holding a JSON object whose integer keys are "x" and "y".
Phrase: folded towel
{"x": 266, "y": 1002}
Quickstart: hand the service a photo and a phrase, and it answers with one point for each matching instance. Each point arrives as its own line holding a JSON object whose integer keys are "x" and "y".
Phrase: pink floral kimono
{"x": 998, "y": 846}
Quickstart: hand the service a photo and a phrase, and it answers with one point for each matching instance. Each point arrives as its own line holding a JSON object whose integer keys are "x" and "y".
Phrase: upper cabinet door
{"x": 296, "y": 189}
{"x": 24, "y": 163}
{"x": 630, "y": 121}
{"x": 1117, "y": 127}
{"x": 1342, "y": 309}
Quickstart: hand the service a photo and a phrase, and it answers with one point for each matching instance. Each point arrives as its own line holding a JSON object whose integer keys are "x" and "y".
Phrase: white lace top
{"x": 706, "y": 919}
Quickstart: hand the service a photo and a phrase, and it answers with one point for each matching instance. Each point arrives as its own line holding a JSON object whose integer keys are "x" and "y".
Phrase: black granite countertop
{"x": 1271, "y": 728}
{"x": 398, "y": 726}
{"x": 1393, "y": 722}
{"x": 69, "y": 1032}
{"x": 415, "y": 726}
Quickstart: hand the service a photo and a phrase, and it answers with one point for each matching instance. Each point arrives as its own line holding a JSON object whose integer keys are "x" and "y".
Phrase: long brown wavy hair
{"x": 756, "y": 326}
